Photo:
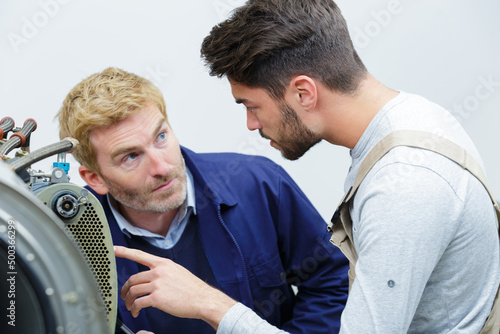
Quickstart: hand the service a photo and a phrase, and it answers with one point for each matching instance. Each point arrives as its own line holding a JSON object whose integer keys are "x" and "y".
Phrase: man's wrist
{"x": 214, "y": 305}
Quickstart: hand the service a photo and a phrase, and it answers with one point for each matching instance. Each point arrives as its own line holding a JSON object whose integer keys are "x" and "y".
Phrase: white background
{"x": 446, "y": 50}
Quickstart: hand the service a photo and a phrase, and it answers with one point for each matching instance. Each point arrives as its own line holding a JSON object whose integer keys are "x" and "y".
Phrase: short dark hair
{"x": 265, "y": 43}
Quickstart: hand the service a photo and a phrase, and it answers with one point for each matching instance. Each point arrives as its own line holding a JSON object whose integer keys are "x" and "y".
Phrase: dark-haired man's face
{"x": 278, "y": 122}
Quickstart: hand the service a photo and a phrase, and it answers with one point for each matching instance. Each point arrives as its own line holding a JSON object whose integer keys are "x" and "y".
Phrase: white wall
{"x": 446, "y": 50}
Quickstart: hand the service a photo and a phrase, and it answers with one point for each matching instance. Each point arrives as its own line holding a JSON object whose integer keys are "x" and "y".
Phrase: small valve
{"x": 66, "y": 206}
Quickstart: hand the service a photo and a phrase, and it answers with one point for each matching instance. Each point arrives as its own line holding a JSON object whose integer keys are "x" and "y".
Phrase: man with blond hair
{"x": 201, "y": 225}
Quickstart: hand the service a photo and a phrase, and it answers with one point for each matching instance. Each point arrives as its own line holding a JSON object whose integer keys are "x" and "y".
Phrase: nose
{"x": 253, "y": 122}
{"x": 157, "y": 164}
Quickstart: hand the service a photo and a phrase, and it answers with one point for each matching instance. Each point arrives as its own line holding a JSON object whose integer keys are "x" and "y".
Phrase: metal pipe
{"x": 20, "y": 138}
{"x": 6, "y": 125}
{"x": 65, "y": 145}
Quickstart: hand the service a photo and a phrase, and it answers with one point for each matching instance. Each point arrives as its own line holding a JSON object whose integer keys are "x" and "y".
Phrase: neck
{"x": 155, "y": 222}
{"x": 348, "y": 115}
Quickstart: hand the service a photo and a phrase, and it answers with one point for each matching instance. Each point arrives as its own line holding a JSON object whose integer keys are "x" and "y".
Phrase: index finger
{"x": 136, "y": 255}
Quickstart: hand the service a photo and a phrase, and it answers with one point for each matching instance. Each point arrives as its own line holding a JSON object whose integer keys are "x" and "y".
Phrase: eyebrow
{"x": 132, "y": 148}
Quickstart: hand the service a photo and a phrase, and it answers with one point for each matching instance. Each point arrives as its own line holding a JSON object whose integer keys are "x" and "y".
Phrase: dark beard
{"x": 295, "y": 139}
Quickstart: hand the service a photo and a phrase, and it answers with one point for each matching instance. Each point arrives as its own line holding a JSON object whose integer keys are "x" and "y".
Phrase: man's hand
{"x": 171, "y": 288}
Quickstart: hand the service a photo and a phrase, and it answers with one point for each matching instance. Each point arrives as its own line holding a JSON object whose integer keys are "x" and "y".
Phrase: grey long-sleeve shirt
{"x": 425, "y": 233}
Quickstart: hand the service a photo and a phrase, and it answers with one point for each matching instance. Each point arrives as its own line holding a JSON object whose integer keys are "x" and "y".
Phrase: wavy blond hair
{"x": 101, "y": 100}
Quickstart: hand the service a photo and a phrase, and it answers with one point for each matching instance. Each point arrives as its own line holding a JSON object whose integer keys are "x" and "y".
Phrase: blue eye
{"x": 162, "y": 136}
{"x": 130, "y": 157}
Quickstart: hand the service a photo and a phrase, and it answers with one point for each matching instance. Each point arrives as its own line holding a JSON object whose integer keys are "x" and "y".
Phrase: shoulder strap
{"x": 341, "y": 234}
{"x": 423, "y": 140}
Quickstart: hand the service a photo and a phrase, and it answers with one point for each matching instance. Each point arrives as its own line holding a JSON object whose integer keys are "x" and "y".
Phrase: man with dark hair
{"x": 417, "y": 222}
{"x": 420, "y": 229}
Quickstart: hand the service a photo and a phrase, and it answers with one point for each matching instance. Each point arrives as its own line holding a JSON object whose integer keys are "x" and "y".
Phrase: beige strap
{"x": 418, "y": 139}
{"x": 423, "y": 140}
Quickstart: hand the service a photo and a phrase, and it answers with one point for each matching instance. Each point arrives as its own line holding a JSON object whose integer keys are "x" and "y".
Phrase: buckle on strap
{"x": 336, "y": 214}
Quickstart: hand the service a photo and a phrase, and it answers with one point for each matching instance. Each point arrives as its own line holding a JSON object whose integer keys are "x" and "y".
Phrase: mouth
{"x": 263, "y": 135}
{"x": 272, "y": 142}
{"x": 165, "y": 186}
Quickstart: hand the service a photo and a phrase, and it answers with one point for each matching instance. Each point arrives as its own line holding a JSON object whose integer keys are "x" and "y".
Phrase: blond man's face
{"x": 140, "y": 162}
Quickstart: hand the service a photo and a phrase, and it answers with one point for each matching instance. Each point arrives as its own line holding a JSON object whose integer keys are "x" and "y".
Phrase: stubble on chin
{"x": 148, "y": 200}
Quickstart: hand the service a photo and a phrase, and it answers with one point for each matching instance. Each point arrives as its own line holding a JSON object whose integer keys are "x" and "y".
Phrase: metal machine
{"x": 58, "y": 267}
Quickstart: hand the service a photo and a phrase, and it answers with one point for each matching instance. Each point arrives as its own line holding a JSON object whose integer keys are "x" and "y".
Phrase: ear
{"x": 305, "y": 91}
{"x": 94, "y": 180}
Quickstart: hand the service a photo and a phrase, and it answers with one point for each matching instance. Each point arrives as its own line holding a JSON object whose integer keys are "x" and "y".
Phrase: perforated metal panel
{"x": 88, "y": 235}
{"x": 86, "y": 224}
